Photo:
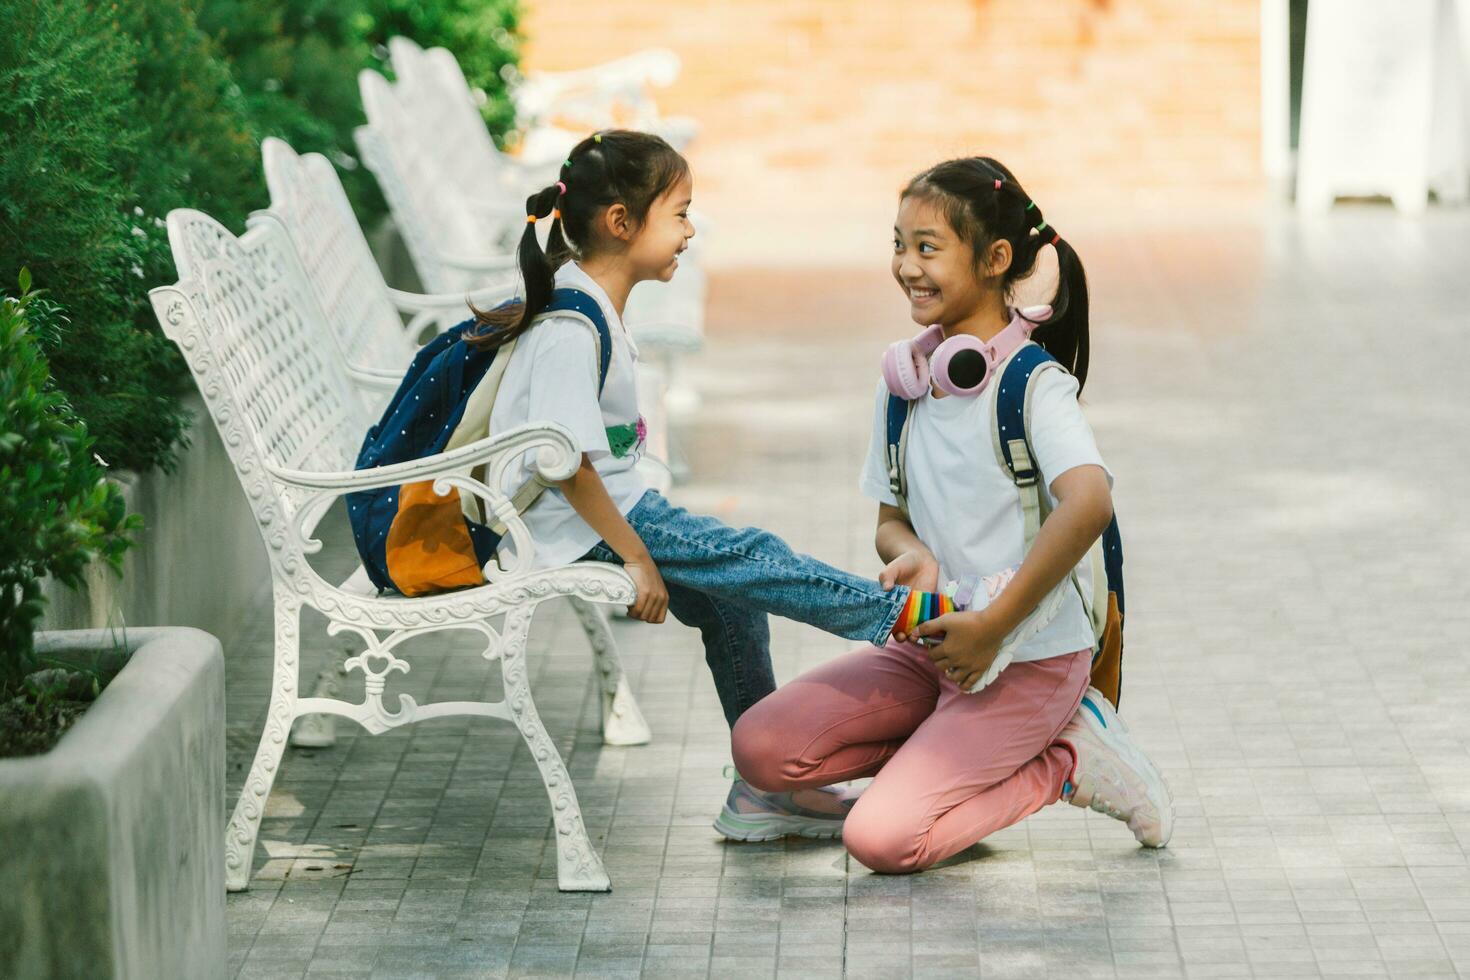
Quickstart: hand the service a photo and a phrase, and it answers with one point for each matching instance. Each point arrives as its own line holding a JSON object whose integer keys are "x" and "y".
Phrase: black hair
{"x": 984, "y": 203}
{"x": 615, "y": 166}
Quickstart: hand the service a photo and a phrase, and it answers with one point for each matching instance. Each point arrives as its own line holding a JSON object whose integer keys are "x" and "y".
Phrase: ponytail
{"x": 983, "y": 203}
{"x": 1065, "y": 335}
{"x": 538, "y": 278}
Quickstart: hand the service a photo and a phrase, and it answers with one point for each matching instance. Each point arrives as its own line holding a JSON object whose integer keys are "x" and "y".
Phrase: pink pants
{"x": 951, "y": 768}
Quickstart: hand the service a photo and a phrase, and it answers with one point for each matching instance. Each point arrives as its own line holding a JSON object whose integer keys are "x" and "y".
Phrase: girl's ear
{"x": 998, "y": 257}
{"x": 618, "y": 222}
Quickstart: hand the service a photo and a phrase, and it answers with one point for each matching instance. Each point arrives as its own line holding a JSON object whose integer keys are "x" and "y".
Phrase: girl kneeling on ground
{"x": 951, "y": 767}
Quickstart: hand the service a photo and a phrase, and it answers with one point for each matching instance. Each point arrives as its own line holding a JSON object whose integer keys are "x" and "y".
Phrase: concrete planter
{"x": 112, "y": 844}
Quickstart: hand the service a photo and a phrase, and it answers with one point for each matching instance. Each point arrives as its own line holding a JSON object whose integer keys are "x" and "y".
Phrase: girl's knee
{"x": 761, "y": 752}
{"x": 881, "y": 844}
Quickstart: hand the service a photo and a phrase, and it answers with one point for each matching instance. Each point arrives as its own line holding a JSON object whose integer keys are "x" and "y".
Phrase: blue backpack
{"x": 1104, "y": 601}
{"x": 410, "y": 539}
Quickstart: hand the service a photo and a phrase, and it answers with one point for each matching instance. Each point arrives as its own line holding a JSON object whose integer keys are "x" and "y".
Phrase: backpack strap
{"x": 898, "y": 413}
{"x": 1011, "y": 438}
{"x": 577, "y": 304}
{"x": 581, "y": 306}
{"x": 1012, "y": 442}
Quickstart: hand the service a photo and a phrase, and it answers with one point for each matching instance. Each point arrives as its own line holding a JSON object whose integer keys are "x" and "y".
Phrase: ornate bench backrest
{"x": 433, "y": 89}
{"x": 308, "y": 199}
{"x": 426, "y": 203}
{"x": 259, "y": 350}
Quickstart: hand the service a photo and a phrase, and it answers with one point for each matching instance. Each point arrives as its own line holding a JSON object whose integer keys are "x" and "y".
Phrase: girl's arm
{"x": 588, "y": 497}
{"x": 896, "y": 535}
{"x": 907, "y": 560}
{"x": 972, "y": 639}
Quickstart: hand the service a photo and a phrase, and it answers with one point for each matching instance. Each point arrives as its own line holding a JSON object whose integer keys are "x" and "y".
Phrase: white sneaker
{"x": 751, "y": 814}
{"x": 1113, "y": 776}
{"x": 318, "y": 731}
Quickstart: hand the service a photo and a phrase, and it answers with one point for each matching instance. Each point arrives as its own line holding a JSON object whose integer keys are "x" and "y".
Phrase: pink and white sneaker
{"x": 1113, "y": 776}
{"x": 752, "y": 814}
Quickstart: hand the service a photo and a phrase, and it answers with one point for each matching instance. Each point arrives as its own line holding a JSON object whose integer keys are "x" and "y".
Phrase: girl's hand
{"x": 916, "y": 568}
{"x": 971, "y": 642}
{"x": 652, "y": 601}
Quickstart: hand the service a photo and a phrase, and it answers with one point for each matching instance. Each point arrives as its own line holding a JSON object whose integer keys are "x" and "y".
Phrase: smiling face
{"x": 664, "y": 233}
{"x": 934, "y": 266}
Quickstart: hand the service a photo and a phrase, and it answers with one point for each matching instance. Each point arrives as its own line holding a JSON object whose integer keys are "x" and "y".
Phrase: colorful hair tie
{"x": 562, "y": 188}
{"x": 567, "y": 162}
{"x": 1055, "y": 237}
{"x": 1041, "y": 226}
{"x": 597, "y": 138}
{"x": 555, "y": 214}
{"x": 1030, "y": 205}
{"x": 997, "y": 183}
{"x": 530, "y": 219}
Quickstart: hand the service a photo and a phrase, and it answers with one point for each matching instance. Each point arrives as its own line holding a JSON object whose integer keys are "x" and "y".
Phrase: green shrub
{"x": 201, "y": 150}
{"x": 296, "y": 62}
{"x": 60, "y": 513}
{"x": 64, "y": 124}
{"x": 91, "y": 164}
{"x": 114, "y": 113}
{"x": 483, "y": 34}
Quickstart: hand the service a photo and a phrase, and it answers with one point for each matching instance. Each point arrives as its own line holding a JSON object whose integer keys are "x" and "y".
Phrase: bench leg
{"x": 245, "y": 821}
{"x": 319, "y": 731}
{"x": 622, "y": 722}
{"x": 578, "y": 868}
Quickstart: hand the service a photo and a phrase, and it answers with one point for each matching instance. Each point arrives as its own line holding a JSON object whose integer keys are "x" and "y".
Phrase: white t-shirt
{"x": 966, "y": 509}
{"x": 552, "y": 377}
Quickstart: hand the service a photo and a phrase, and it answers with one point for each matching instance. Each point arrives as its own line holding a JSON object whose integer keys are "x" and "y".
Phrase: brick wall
{"x": 813, "y": 112}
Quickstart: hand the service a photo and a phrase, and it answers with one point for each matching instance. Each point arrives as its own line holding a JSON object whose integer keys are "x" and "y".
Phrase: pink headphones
{"x": 961, "y": 365}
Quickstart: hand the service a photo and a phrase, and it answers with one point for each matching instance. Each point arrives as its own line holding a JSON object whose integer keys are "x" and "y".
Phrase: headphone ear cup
{"x": 960, "y": 366}
{"x": 905, "y": 370}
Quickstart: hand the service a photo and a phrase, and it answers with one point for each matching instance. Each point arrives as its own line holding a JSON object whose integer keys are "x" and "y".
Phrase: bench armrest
{"x": 557, "y": 458}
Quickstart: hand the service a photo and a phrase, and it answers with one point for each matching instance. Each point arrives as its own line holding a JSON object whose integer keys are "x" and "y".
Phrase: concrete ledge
{"x": 113, "y": 856}
{"x": 199, "y": 560}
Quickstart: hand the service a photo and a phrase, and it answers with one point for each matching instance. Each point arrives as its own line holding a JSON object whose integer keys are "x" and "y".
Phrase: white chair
{"x": 364, "y": 315}
{"x": 289, "y": 416}
{"x": 615, "y": 93}
{"x": 612, "y": 93}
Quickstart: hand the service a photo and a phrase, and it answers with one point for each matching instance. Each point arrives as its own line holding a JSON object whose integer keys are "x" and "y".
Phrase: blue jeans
{"x": 723, "y": 581}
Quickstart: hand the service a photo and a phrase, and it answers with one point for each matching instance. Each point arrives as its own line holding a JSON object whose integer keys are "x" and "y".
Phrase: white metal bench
{"x": 290, "y": 418}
